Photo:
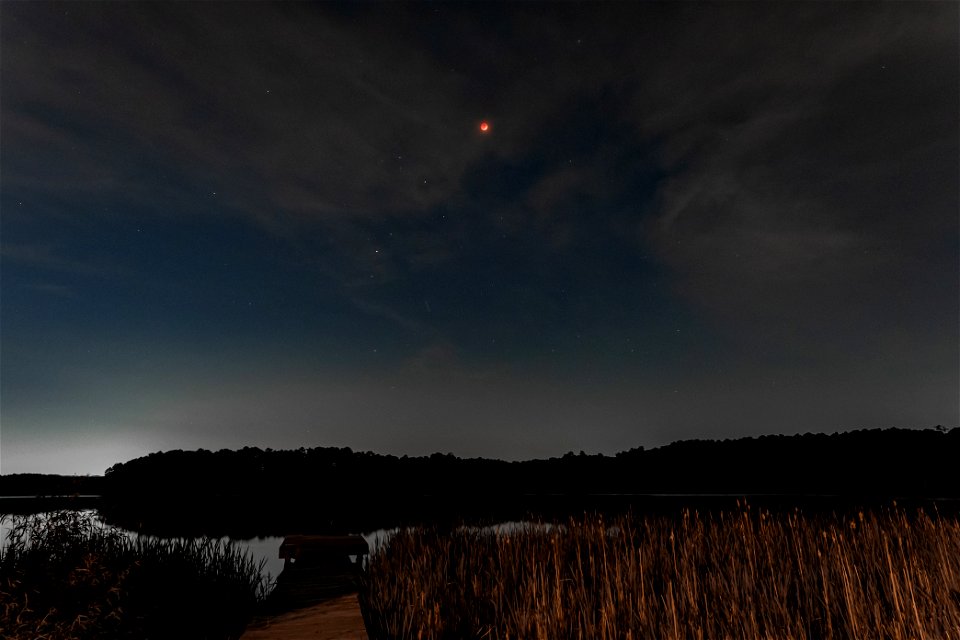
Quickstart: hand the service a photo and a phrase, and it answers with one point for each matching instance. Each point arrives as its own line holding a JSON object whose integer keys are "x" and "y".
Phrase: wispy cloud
{"x": 52, "y": 258}
{"x": 803, "y": 182}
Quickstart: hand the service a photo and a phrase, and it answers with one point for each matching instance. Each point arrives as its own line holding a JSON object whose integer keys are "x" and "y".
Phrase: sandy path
{"x": 336, "y": 619}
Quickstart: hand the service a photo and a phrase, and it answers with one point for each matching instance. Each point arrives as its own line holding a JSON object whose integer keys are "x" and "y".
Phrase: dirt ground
{"x": 336, "y": 619}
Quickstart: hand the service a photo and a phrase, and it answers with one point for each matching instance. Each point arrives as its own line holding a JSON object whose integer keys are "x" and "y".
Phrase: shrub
{"x": 64, "y": 575}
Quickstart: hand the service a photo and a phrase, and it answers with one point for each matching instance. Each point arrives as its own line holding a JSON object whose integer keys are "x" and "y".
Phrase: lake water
{"x": 266, "y": 549}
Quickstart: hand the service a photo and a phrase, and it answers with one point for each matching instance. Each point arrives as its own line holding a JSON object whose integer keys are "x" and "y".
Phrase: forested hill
{"x": 41, "y": 484}
{"x": 892, "y": 462}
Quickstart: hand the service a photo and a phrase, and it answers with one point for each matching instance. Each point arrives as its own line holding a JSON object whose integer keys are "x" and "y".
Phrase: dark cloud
{"x": 300, "y": 113}
{"x": 819, "y": 173}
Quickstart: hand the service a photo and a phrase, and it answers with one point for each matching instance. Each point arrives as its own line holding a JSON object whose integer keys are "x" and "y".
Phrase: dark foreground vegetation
{"x": 877, "y": 575}
{"x": 340, "y": 490}
{"x": 64, "y": 576}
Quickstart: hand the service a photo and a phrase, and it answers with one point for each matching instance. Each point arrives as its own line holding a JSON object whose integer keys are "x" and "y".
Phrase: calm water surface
{"x": 266, "y": 549}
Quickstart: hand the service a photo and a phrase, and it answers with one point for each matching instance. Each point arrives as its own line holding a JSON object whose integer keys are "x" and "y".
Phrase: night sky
{"x": 280, "y": 225}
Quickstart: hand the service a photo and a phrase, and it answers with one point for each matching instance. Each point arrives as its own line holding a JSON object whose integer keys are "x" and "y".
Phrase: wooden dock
{"x": 316, "y": 568}
{"x": 315, "y": 594}
{"x": 336, "y": 619}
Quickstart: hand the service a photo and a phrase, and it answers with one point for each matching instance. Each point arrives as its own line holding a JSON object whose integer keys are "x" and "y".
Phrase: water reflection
{"x": 260, "y": 549}
{"x": 265, "y": 549}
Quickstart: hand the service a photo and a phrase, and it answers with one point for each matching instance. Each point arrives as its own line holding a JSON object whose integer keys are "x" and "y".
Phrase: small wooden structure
{"x": 316, "y": 569}
{"x": 322, "y": 550}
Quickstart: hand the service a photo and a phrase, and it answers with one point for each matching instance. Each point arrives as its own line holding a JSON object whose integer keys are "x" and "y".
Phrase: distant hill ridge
{"x": 253, "y": 491}
{"x": 869, "y": 461}
{"x": 43, "y": 484}
{"x": 866, "y": 461}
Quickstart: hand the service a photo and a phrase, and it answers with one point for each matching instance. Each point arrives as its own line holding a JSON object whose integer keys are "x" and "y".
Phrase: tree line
{"x": 327, "y": 486}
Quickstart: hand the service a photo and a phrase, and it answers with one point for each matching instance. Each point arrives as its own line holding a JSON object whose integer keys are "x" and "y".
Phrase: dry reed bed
{"x": 731, "y": 575}
{"x": 65, "y": 576}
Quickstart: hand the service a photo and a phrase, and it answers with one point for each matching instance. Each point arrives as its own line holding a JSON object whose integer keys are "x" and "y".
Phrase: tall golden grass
{"x": 744, "y": 574}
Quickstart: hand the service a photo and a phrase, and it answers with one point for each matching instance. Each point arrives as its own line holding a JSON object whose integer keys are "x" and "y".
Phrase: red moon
{"x": 484, "y": 126}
